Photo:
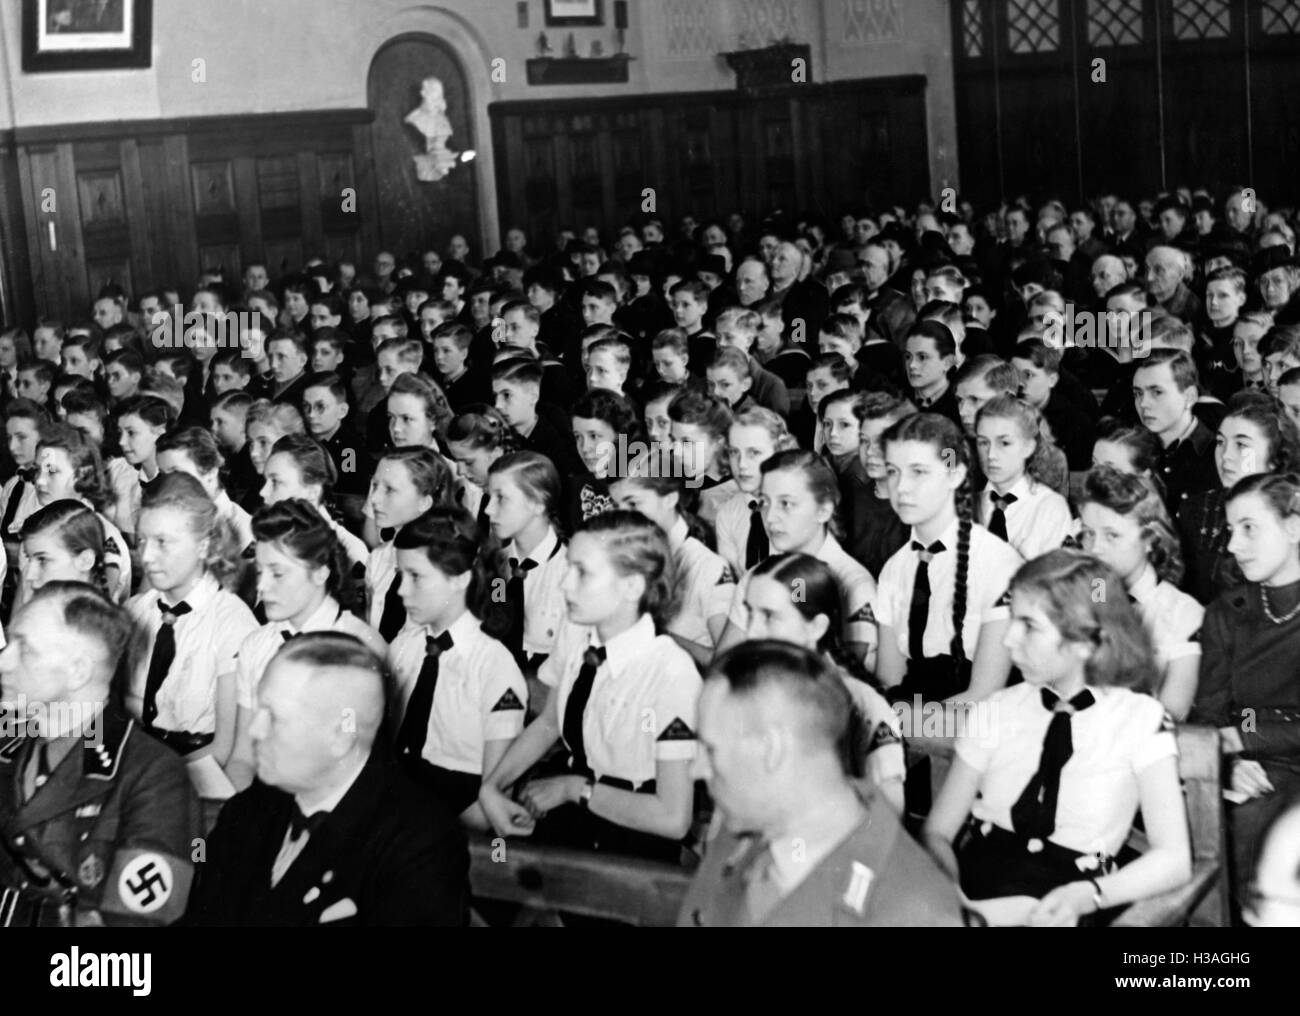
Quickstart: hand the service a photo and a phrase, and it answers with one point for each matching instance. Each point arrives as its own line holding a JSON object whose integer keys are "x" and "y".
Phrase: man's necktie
{"x": 394, "y": 615}
{"x": 1034, "y": 813}
{"x": 415, "y": 724}
{"x": 164, "y": 654}
{"x": 41, "y": 775}
{"x": 577, "y": 706}
{"x": 762, "y": 893}
{"x": 300, "y": 823}
{"x": 515, "y": 602}
{"x": 756, "y": 545}
{"x": 998, "y": 520}
{"x": 919, "y": 614}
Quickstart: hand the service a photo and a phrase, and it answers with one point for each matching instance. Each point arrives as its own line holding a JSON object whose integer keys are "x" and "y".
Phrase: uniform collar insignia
{"x": 99, "y": 759}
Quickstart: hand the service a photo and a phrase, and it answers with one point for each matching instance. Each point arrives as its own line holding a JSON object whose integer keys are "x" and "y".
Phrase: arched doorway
{"x": 414, "y": 214}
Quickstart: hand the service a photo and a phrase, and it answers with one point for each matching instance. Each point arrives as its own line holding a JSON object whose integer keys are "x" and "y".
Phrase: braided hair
{"x": 950, "y": 447}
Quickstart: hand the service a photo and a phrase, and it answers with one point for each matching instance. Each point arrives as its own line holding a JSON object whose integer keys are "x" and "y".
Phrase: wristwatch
{"x": 584, "y": 795}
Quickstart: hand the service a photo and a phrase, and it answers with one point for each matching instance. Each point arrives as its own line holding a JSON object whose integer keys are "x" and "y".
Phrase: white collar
{"x": 634, "y": 643}
{"x": 1019, "y": 490}
{"x": 323, "y": 618}
{"x": 678, "y": 535}
{"x": 948, "y": 537}
{"x": 200, "y": 596}
{"x": 544, "y": 551}
{"x": 461, "y": 630}
{"x": 1145, "y": 586}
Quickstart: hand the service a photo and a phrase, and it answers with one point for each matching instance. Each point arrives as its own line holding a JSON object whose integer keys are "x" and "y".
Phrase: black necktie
{"x": 484, "y": 523}
{"x": 300, "y": 823}
{"x": 577, "y": 706}
{"x": 919, "y": 614}
{"x": 415, "y": 724}
{"x": 1034, "y": 813}
{"x": 386, "y": 535}
{"x": 25, "y": 476}
{"x": 42, "y": 766}
{"x": 289, "y": 636}
{"x": 998, "y": 520}
{"x": 164, "y": 653}
{"x": 515, "y": 602}
{"x": 756, "y": 545}
{"x": 394, "y": 615}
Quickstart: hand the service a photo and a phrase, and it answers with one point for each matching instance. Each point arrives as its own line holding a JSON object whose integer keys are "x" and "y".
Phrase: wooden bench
{"x": 1203, "y": 900}
{"x": 547, "y": 878}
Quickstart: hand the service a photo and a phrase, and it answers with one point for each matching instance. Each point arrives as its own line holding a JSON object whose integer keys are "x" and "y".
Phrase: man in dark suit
{"x": 331, "y": 832}
{"x": 98, "y": 819}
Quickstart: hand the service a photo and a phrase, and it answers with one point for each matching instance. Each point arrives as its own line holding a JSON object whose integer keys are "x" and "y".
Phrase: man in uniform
{"x": 331, "y": 832}
{"x": 800, "y": 843}
{"x": 98, "y": 820}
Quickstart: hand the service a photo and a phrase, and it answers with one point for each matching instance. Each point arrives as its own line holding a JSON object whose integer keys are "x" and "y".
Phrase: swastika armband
{"x": 147, "y": 885}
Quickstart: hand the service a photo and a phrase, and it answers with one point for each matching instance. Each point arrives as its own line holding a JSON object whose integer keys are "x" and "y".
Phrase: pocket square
{"x": 344, "y": 908}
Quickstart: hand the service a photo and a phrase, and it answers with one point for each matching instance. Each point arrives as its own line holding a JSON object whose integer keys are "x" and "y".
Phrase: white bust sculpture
{"x": 430, "y": 119}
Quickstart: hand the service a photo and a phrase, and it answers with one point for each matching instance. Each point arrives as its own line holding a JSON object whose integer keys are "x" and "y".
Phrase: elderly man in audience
{"x": 331, "y": 833}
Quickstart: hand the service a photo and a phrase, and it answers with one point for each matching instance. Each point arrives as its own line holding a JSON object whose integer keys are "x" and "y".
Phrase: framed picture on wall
{"x": 575, "y": 13}
{"x": 86, "y": 35}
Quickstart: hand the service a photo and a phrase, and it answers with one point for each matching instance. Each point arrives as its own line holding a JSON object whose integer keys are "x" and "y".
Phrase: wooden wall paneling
{"x": 180, "y": 213}
{"x": 137, "y": 219}
{"x": 1119, "y": 122}
{"x": 71, "y": 255}
{"x": 19, "y": 293}
{"x": 583, "y": 176}
{"x": 313, "y": 232}
{"x": 1275, "y": 82}
{"x": 244, "y": 175}
{"x": 367, "y": 194}
{"x": 155, "y": 202}
{"x": 657, "y": 169}
{"x": 335, "y": 176}
{"x": 48, "y": 289}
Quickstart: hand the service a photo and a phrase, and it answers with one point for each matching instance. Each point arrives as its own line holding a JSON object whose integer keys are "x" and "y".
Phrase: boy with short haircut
{"x": 230, "y": 372}
{"x": 47, "y": 341}
{"x": 1165, "y": 391}
{"x": 325, "y": 412}
{"x": 228, "y": 422}
{"x": 608, "y": 363}
{"x": 453, "y": 281}
{"x": 325, "y": 311}
{"x": 1280, "y": 351}
{"x": 877, "y": 367}
{"x": 81, "y": 355}
{"x": 738, "y": 328}
{"x": 460, "y": 381}
{"x": 670, "y": 353}
{"x": 329, "y": 354}
{"x": 516, "y": 390}
{"x": 1074, "y": 431}
{"x": 432, "y": 315}
{"x": 36, "y": 383}
{"x": 394, "y": 358}
{"x": 123, "y": 370}
{"x": 787, "y": 362}
{"x": 826, "y": 374}
{"x": 689, "y": 302}
{"x": 729, "y": 379}
{"x": 289, "y": 355}
{"x": 1288, "y": 393}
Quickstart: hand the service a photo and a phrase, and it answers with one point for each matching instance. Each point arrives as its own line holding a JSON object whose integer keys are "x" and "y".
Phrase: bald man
{"x": 331, "y": 832}
{"x": 98, "y": 819}
{"x": 800, "y": 844}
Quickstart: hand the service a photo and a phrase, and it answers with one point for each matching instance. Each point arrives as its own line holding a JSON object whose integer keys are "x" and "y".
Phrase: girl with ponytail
{"x": 941, "y": 607}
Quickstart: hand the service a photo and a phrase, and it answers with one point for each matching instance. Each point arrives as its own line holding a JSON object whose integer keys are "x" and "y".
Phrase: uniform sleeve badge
{"x": 507, "y": 702}
{"x": 860, "y": 879}
{"x": 726, "y": 577}
{"x": 1004, "y": 600}
{"x": 91, "y": 871}
{"x": 678, "y": 730}
{"x": 863, "y": 614}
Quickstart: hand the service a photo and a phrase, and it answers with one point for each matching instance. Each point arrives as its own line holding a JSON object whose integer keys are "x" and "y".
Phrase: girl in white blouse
{"x": 1037, "y": 806}
{"x": 461, "y": 698}
{"x": 623, "y": 704}
{"x": 300, "y": 467}
{"x": 188, "y": 630}
{"x": 304, "y": 585}
{"x": 1125, "y": 524}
